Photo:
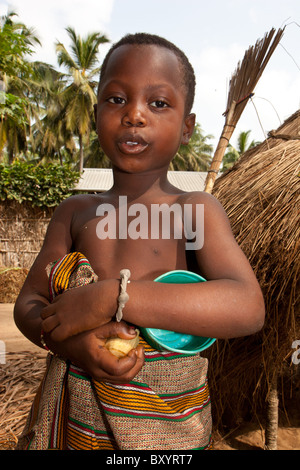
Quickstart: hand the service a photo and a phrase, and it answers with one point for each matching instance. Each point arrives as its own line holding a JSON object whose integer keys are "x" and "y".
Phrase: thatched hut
{"x": 261, "y": 195}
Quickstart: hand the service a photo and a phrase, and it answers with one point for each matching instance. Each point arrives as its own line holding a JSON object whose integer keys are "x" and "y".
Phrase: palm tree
{"x": 94, "y": 155}
{"x": 79, "y": 94}
{"x": 16, "y": 41}
{"x": 234, "y": 154}
{"x": 195, "y": 156}
{"x": 51, "y": 138}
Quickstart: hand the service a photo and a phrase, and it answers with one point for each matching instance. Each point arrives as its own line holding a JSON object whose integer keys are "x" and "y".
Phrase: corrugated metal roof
{"x": 101, "y": 179}
{"x": 95, "y": 179}
{"x": 188, "y": 180}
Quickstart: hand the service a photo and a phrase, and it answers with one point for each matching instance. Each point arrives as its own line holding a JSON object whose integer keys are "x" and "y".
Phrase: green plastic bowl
{"x": 165, "y": 340}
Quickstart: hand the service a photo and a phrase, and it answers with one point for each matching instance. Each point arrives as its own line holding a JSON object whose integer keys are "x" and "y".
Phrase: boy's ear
{"x": 188, "y": 128}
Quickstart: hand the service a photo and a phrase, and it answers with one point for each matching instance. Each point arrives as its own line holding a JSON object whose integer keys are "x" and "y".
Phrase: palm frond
{"x": 63, "y": 56}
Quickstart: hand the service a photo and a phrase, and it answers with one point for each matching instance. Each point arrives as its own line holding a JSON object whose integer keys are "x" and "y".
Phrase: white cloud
{"x": 51, "y": 19}
{"x": 276, "y": 95}
{"x": 214, "y": 67}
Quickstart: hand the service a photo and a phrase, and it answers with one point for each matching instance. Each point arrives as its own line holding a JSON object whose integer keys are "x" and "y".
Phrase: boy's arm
{"x": 34, "y": 295}
{"x": 229, "y": 305}
{"x": 85, "y": 350}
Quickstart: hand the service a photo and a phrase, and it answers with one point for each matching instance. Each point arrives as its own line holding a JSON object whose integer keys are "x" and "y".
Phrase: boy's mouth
{"x": 132, "y": 144}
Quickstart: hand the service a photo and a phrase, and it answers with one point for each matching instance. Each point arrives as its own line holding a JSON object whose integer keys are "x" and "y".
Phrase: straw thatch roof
{"x": 261, "y": 195}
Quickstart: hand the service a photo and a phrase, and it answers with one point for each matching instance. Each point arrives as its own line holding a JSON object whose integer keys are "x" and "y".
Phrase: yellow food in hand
{"x": 120, "y": 347}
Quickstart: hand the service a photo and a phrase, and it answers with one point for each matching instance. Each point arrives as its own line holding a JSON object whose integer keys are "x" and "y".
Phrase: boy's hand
{"x": 80, "y": 309}
{"x": 87, "y": 350}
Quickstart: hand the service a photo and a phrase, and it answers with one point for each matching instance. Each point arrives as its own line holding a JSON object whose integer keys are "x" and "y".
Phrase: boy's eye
{"x": 159, "y": 104}
{"x": 116, "y": 100}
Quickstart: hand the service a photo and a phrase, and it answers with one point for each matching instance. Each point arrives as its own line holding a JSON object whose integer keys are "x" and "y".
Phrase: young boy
{"x": 149, "y": 399}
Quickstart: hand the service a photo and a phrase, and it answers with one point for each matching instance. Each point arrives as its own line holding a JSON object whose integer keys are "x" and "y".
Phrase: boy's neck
{"x": 135, "y": 185}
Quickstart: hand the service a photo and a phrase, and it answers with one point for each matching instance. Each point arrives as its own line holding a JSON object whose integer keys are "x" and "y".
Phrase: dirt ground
{"x": 13, "y": 345}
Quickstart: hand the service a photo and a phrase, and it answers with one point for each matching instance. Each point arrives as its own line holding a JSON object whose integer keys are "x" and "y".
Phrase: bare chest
{"x": 148, "y": 244}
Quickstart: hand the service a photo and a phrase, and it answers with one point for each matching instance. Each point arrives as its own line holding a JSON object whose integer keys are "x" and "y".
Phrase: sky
{"x": 214, "y": 34}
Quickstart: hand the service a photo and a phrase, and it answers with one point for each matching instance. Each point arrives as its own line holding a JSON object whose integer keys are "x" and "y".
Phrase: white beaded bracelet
{"x": 43, "y": 343}
{"x": 123, "y": 296}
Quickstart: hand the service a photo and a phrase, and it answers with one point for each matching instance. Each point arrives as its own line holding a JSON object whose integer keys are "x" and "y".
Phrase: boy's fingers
{"x": 138, "y": 355}
{"x": 120, "y": 367}
{"x": 122, "y": 330}
{"x": 57, "y": 331}
{"x": 50, "y": 323}
{"x": 114, "y": 366}
{"x": 47, "y": 311}
{"x": 140, "y": 359}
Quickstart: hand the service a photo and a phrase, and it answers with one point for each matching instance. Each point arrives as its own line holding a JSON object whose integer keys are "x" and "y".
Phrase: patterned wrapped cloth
{"x": 166, "y": 406}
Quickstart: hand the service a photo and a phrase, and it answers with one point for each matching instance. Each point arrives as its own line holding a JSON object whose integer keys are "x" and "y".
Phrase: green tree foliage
{"x": 196, "y": 156}
{"x": 82, "y": 79}
{"x": 16, "y": 42}
{"x": 51, "y": 138}
{"x": 233, "y": 154}
{"x": 39, "y": 185}
{"x": 47, "y": 114}
{"x": 94, "y": 155}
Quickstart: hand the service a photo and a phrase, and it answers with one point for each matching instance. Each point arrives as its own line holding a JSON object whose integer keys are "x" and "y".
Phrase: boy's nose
{"x": 134, "y": 117}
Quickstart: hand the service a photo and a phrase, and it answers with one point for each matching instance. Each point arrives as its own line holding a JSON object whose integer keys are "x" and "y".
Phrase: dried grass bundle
{"x": 242, "y": 85}
{"x": 261, "y": 195}
{"x": 249, "y": 71}
{"x": 11, "y": 282}
{"x": 19, "y": 380}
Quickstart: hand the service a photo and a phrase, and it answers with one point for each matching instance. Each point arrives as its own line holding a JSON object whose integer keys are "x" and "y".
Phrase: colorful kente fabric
{"x": 166, "y": 406}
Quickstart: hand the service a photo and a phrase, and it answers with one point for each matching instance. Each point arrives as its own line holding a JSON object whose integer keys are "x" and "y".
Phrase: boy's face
{"x": 140, "y": 115}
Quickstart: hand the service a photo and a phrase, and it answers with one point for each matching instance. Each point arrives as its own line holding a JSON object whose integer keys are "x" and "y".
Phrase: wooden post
{"x": 272, "y": 416}
{"x": 220, "y": 150}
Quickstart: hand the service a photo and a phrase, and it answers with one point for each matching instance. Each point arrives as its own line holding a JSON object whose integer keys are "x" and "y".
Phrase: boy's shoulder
{"x": 73, "y": 206}
{"x": 212, "y": 208}
{"x": 198, "y": 197}
{"x": 77, "y": 202}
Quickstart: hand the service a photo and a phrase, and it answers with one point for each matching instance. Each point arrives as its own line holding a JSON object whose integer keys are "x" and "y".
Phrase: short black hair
{"x": 138, "y": 39}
